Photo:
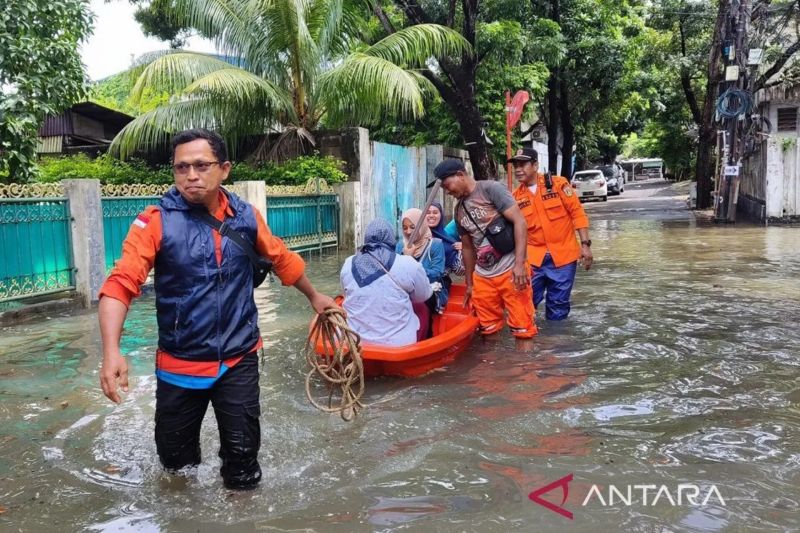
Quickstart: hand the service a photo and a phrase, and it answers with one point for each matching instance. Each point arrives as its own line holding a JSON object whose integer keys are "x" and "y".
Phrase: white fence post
{"x": 88, "y": 244}
{"x": 254, "y": 192}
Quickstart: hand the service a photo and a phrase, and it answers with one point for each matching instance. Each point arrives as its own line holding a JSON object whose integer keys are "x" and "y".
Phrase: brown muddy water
{"x": 679, "y": 365}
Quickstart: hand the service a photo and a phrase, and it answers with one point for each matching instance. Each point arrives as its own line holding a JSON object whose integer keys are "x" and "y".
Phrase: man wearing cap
{"x": 495, "y": 281}
{"x": 553, "y": 213}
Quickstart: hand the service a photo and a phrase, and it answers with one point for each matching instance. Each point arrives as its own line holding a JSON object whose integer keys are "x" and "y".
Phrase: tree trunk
{"x": 456, "y": 84}
{"x": 553, "y": 120}
{"x": 568, "y": 130}
{"x": 553, "y": 95}
{"x": 470, "y": 122}
{"x": 704, "y": 170}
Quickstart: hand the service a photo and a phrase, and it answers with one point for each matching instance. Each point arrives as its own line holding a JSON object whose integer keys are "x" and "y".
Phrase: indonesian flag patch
{"x": 141, "y": 221}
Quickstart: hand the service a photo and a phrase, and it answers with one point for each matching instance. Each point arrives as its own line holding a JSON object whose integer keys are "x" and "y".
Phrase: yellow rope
{"x": 341, "y": 365}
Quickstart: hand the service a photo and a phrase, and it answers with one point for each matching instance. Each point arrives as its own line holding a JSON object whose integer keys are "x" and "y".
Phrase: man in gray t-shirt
{"x": 495, "y": 282}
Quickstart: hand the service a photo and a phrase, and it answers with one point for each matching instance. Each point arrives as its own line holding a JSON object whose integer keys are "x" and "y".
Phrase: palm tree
{"x": 291, "y": 66}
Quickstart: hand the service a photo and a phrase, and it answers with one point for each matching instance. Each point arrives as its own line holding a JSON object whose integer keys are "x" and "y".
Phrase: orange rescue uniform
{"x": 553, "y": 217}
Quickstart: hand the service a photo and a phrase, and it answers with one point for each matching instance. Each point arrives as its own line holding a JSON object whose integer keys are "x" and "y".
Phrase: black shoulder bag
{"x": 499, "y": 232}
{"x": 261, "y": 266}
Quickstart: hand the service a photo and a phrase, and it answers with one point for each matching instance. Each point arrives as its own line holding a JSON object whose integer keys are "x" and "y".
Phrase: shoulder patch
{"x": 141, "y": 221}
{"x": 567, "y": 188}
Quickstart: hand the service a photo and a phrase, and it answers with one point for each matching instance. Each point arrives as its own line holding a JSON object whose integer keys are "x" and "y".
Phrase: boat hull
{"x": 453, "y": 331}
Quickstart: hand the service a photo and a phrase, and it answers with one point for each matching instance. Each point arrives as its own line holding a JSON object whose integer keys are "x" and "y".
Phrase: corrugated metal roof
{"x": 57, "y": 125}
{"x": 62, "y": 124}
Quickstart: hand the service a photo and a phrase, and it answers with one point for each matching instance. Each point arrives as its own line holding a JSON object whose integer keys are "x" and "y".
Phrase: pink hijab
{"x": 424, "y": 237}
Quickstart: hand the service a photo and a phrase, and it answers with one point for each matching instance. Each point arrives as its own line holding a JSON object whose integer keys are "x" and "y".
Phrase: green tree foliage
{"x": 298, "y": 64}
{"x": 114, "y": 92}
{"x": 40, "y": 73}
{"x": 155, "y": 18}
{"x": 505, "y": 48}
{"x": 108, "y": 169}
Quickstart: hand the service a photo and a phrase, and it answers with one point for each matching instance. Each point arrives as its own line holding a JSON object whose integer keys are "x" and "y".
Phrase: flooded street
{"x": 679, "y": 365}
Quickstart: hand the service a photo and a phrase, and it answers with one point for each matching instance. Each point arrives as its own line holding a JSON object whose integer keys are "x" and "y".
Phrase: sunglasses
{"x": 201, "y": 167}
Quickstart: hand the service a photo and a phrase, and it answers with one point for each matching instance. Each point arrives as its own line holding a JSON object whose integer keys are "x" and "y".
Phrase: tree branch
{"x": 451, "y": 13}
{"x": 385, "y": 22}
{"x": 777, "y": 66}
{"x": 413, "y": 11}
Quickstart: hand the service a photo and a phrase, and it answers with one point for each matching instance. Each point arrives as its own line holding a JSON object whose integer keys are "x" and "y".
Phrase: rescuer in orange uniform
{"x": 553, "y": 213}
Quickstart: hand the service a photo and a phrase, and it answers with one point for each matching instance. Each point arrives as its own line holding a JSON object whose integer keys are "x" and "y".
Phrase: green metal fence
{"x": 36, "y": 248}
{"x": 305, "y": 223}
{"x": 118, "y": 215}
{"x": 37, "y": 252}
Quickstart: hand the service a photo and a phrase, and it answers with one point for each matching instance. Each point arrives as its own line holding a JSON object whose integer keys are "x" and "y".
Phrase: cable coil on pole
{"x": 733, "y": 103}
{"x": 339, "y": 366}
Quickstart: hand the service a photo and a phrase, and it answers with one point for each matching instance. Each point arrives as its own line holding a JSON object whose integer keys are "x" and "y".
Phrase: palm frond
{"x": 152, "y": 130}
{"x": 237, "y": 85}
{"x": 365, "y": 89}
{"x": 173, "y": 72}
{"x": 231, "y": 24}
{"x": 414, "y": 45}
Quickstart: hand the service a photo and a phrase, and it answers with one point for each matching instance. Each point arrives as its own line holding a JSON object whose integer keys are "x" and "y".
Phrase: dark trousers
{"x": 180, "y": 412}
{"x": 556, "y": 284}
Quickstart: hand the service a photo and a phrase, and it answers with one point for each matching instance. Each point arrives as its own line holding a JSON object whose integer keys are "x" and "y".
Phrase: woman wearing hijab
{"x": 380, "y": 288}
{"x": 449, "y": 237}
{"x": 429, "y": 252}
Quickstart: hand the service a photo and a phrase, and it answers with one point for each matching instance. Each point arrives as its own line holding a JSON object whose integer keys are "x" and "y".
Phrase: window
{"x": 787, "y": 119}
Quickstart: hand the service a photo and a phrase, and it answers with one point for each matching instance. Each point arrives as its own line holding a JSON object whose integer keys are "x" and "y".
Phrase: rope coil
{"x": 340, "y": 366}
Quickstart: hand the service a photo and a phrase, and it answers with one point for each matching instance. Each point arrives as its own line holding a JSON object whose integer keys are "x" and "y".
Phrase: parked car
{"x": 590, "y": 184}
{"x": 615, "y": 179}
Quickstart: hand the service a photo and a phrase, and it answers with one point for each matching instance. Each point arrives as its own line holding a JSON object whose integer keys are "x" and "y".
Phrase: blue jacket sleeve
{"x": 434, "y": 263}
{"x": 452, "y": 231}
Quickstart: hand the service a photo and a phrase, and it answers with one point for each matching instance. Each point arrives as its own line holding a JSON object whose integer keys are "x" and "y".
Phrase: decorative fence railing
{"x": 35, "y": 231}
{"x": 305, "y": 222}
{"x": 36, "y": 253}
{"x": 118, "y": 215}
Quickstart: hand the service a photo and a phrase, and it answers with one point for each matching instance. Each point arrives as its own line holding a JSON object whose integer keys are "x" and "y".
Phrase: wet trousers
{"x": 491, "y": 297}
{"x": 234, "y": 397}
{"x": 554, "y": 283}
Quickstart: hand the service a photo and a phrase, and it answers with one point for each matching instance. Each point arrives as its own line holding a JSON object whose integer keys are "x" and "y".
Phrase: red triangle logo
{"x": 535, "y": 496}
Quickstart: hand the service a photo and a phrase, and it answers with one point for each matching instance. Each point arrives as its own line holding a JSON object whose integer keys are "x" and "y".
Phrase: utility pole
{"x": 736, "y": 100}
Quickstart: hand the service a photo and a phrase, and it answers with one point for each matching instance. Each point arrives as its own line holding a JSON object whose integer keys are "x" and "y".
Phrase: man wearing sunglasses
{"x": 208, "y": 332}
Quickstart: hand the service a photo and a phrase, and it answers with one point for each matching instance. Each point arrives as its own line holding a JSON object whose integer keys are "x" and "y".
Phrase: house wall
{"x": 385, "y": 179}
{"x": 87, "y": 127}
{"x": 769, "y": 185}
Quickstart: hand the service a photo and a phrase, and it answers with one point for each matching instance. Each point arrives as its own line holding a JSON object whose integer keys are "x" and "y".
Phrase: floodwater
{"x": 679, "y": 365}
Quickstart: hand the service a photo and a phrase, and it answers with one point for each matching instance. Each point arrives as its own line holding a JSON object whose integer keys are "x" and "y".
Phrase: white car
{"x": 590, "y": 184}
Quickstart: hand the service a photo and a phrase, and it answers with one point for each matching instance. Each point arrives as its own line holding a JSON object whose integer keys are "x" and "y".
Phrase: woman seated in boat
{"x": 453, "y": 261}
{"x": 429, "y": 251}
{"x": 380, "y": 288}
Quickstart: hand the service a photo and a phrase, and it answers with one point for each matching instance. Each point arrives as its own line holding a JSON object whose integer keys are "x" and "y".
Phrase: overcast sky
{"x": 117, "y": 37}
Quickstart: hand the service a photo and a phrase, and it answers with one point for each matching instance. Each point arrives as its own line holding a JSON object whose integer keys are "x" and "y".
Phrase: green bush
{"x": 105, "y": 168}
{"x": 109, "y": 170}
{"x": 293, "y": 172}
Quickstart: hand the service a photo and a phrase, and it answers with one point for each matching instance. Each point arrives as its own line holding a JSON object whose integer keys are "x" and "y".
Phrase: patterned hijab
{"x": 424, "y": 236}
{"x": 377, "y": 253}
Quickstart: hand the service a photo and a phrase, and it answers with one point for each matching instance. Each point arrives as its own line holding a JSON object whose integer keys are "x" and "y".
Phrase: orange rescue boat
{"x": 452, "y": 332}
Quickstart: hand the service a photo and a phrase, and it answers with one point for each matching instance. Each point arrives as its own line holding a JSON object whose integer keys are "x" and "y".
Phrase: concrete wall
{"x": 782, "y": 177}
{"x": 88, "y": 244}
{"x": 769, "y": 188}
{"x": 384, "y": 179}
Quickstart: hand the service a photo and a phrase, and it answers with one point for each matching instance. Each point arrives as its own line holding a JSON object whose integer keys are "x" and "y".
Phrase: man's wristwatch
{"x": 587, "y": 243}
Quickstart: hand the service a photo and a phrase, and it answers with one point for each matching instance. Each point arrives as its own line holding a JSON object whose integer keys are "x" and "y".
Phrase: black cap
{"x": 448, "y": 167}
{"x": 525, "y": 154}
